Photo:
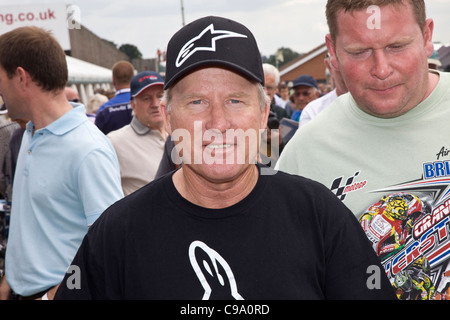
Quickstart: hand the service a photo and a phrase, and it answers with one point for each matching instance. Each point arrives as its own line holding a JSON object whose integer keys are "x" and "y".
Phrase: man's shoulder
{"x": 116, "y": 107}
{"x": 329, "y": 114}
{"x": 142, "y": 201}
{"x": 119, "y": 111}
{"x": 283, "y": 180}
{"x": 120, "y": 133}
{"x": 118, "y": 99}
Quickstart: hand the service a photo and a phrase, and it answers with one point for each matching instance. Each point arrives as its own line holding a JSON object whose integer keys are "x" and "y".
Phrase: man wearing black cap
{"x": 306, "y": 90}
{"x": 223, "y": 226}
{"x": 140, "y": 144}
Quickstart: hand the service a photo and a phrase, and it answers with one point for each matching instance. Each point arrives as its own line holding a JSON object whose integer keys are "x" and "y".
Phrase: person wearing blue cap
{"x": 306, "y": 90}
{"x": 140, "y": 144}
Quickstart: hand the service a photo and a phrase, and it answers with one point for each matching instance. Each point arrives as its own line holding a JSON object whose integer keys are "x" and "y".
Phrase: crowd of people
{"x": 120, "y": 199}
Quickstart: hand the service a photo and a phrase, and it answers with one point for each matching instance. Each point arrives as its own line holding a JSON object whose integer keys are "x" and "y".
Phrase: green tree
{"x": 131, "y": 51}
{"x": 281, "y": 57}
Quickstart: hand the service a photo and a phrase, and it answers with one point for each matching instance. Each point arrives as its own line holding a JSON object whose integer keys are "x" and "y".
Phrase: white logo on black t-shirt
{"x": 213, "y": 272}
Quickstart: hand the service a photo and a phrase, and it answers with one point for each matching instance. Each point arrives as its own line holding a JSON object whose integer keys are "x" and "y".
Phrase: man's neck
{"x": 211, "y": 194}
{"x": 47, "y": 108}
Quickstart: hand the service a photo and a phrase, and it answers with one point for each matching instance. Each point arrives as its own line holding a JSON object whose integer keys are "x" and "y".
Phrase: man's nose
{"x": 218, "y": 118}
{"x": 381, "y": 68}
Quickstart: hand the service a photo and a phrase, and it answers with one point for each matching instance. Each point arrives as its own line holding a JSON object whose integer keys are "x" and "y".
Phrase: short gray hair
{"x": 271, "y": 69}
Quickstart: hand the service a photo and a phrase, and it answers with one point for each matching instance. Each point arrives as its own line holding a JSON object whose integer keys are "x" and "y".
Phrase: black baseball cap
{"x": 213, "y": 41}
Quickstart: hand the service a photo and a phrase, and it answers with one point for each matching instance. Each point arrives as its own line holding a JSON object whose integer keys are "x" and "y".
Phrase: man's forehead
{"x": 206, "y": 71}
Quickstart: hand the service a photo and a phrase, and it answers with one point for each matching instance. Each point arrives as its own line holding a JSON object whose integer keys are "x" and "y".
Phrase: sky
{"x": 149, "y": 24}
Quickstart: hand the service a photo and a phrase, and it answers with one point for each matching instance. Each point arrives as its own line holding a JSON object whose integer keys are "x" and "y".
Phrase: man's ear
{"x": 428, "y": 36}
{"x": 265, "y": 113}
{"x": 331, "y": 51}
{"x": 23, "y": 77}
{"x": 166, "y": 116}
{"x": 133, "y": 103}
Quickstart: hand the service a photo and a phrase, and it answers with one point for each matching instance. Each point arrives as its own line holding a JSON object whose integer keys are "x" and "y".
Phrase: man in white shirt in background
{"x": 313, "y": 108}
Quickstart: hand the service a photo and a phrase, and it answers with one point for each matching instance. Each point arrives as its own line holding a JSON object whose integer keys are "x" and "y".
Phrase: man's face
{"x": 212, "y": 109}
{"x": 284, "y": 93}
{"x": 146, "y": 107}
{"x": 269, "y": 85}
{"x": 10, "y": 95}
{"x": 384, "y": 68}
{"x": 304, "y": 95}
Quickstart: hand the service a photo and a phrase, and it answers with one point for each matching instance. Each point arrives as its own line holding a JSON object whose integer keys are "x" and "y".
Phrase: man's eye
{"x": 396, "y": 47}
{"x": 198, "y": 105}
{"x": 361, "y": 54}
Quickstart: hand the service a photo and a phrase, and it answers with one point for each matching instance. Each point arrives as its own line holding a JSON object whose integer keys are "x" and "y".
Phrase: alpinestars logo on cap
{"x": 190, "y": 47}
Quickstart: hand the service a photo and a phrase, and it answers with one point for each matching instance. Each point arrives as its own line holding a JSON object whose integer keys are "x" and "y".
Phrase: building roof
{"x": 303, "y": 59}
{"x": 84, "y": 72}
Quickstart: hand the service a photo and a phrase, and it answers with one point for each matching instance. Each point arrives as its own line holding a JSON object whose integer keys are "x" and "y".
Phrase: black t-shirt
{"x": 290, "y": 238}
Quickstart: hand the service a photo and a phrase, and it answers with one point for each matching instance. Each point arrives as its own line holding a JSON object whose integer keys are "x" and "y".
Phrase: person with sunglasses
{"x": 306, "y": 90}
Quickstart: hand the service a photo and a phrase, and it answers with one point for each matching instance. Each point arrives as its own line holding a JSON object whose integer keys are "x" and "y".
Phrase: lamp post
{"x": 182, "y": 13}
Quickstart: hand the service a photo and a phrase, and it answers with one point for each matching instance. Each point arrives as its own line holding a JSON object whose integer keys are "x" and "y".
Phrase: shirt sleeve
{"x": 98, "y": 261}
{"x": 353, "y": 269}
{"x": 99, "y": 183}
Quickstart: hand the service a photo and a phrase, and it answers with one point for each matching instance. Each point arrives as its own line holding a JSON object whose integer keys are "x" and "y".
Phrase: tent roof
{"x": 84, "y": 72}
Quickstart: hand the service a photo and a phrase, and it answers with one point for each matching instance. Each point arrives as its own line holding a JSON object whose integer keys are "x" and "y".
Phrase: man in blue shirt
{"x": 67, "y": 172}
{"x": 122, "y": 72}
{"x": 117, "y": 112}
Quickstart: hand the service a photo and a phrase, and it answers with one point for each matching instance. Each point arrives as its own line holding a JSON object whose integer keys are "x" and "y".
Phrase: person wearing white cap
{"x": 140, "y": 144}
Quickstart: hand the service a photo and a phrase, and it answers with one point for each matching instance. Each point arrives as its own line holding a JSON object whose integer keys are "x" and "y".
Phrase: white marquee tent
{"x": 85, "y": 77}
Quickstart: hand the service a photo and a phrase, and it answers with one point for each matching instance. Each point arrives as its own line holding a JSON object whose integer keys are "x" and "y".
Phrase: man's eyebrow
{"x": 238, "y": 94}
{"x": 198, "y": 95}
{"x": 191, "y": 95}
{"x": 361, "y": 47}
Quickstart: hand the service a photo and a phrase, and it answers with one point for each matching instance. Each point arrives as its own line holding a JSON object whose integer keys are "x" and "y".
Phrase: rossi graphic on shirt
{"x": 409, "y": 229}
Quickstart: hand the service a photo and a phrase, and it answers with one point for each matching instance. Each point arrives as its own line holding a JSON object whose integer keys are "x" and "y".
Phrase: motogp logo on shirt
{"x": 341, "y": 191}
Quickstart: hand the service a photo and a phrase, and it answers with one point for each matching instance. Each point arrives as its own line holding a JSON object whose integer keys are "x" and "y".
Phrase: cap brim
{"x": 146, "y": 87}
{"x": 211, "y": 63}
{"x": 303, "y": 84}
